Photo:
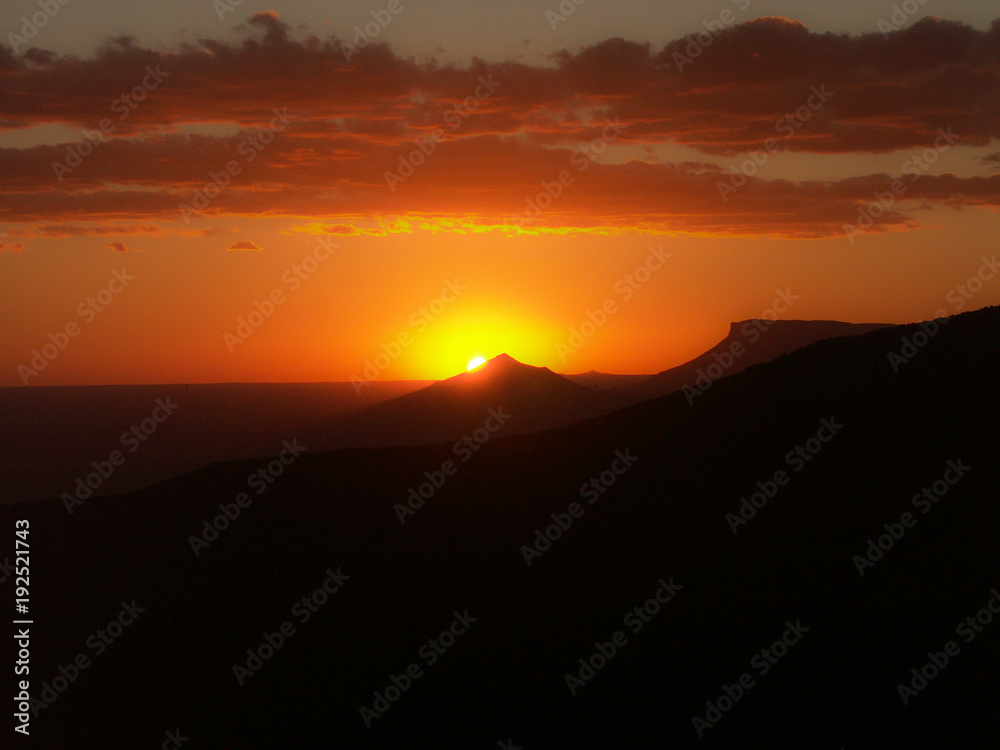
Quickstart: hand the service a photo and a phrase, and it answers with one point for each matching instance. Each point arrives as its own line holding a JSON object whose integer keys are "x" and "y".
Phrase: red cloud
{"x": 484, "y": 140}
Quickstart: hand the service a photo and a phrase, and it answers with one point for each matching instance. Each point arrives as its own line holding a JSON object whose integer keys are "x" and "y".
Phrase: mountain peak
{"x": 500, "y": 368}
{"x": 506, "y": 364}
{"x": 503, "y": 359}
{"x": 503, "y": 371}
{"x": 538, "y": 397}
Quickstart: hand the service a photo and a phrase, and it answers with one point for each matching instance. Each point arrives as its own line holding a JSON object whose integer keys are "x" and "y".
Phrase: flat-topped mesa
{"x": 749, "y": 342}
{"x": 797, "y": 332}
{"x": 795, "y": 324}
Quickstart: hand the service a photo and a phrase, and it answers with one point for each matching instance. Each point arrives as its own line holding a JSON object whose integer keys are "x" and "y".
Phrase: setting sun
{"x": 476, "y": 362}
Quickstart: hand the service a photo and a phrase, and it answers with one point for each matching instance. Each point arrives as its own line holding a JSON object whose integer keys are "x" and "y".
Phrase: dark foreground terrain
{"x": 770, "y": 636}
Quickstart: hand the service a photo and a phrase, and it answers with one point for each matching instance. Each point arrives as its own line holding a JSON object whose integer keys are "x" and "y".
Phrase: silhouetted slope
{"x": 51, "y": 434}
{"x": 664, "y": 517}
{"x": 750, "y": 342}
{"x": 603, "y": 381}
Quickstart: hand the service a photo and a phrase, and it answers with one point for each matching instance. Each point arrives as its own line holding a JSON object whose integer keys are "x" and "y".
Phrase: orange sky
{"x": 480, "y": 208}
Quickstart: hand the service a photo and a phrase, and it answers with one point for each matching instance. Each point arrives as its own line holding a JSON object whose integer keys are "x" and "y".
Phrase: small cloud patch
{"x": 12, "y": 247}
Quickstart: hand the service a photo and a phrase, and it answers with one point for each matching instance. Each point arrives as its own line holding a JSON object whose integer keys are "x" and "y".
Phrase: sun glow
{"x": 476, "y": 362}
{"x": 473, "y": 329}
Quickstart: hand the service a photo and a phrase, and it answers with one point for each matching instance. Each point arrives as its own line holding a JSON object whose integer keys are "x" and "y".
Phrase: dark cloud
{"x": 506, "y": 128}
{"x": 890, "y": 92}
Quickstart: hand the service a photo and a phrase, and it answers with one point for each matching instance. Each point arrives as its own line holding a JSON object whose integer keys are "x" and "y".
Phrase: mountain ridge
{"x": 665, "y": 517}
{"x": 749, "y": 342}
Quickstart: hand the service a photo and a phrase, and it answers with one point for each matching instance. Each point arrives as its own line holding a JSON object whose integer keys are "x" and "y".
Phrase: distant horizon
{"x": 389, "y": 380}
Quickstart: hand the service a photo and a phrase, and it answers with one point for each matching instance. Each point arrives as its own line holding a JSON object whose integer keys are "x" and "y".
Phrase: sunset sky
{"x": 479, "y": 178}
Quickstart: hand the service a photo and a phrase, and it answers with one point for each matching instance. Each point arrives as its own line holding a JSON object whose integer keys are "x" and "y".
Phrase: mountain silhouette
{"x": 542, "y": 400}
{"x": 892, "y": 427}
{"x": 535, "y": 397}
{"x": 226, "y": 422}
